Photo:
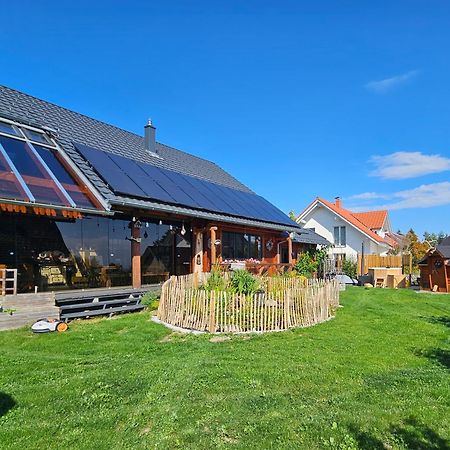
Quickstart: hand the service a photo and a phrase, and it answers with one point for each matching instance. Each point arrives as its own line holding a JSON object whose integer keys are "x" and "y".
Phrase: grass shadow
{"x": 439, "y": 355}
{"x": 440, "y": 320}
{"x": 6, "y": 403}
{"x": 410, "y": 434}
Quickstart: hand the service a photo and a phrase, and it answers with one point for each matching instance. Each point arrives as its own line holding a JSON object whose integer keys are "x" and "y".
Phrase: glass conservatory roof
{"x": 31, "y": 171}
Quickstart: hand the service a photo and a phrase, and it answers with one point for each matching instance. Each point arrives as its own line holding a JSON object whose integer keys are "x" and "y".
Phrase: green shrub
{"x": 349, "y": 268}
{"x": 306, "y": 265}
{"x": 243, "y": 282}
{"x": 216, "y": 281}
{"x": 151, "y": 299}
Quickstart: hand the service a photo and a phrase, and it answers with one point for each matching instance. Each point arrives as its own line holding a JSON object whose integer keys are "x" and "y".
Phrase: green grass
{"x": 377, "y": 376}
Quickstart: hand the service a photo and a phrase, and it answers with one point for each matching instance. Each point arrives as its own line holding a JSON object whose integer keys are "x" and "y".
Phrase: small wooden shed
{"x": 435, "y": 268}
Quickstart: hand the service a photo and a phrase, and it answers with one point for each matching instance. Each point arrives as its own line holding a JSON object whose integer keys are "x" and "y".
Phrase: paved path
{"x": 28, "y": 308}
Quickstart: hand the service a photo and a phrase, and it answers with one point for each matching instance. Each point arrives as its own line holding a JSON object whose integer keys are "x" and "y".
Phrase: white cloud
{"x": 367, "y": 196}
{"x": 382, "y": 86}
{"x": 401, "y": 165}
{"x": 424, "y": 196}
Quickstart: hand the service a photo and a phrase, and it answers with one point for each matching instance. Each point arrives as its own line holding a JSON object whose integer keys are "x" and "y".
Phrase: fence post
{"x": 286, "y": 309}
{"x": 212, "y": 313}
{"x": 195, "y": 280}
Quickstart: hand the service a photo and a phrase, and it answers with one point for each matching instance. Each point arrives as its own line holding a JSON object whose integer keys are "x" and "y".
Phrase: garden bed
{"x": 219, "y": 303}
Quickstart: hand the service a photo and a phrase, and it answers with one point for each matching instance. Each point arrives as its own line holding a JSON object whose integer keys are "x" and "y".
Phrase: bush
{"x": 216, "y": 281}
{"x": 305, "y": 265}
{"x": 243, "y": 282}
{"x": 349, "y": 268}
{"x": 151, "y": 299}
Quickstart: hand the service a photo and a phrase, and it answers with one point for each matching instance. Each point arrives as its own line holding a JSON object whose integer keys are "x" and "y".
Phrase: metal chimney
{"x": 150, "y": 137}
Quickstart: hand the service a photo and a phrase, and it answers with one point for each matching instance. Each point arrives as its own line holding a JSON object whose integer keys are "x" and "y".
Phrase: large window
{"x": 340, "y": 236}
{"x": 240, "y": 246}
{"x": 165, "y": 250}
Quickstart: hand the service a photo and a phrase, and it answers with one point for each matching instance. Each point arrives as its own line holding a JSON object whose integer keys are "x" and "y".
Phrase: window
{"x": 77, "y": 193}
{"x": 340, "y": 238}
{"x": 37, "y": 137}
{"x": 33, "y": 173}
{"x": 241, "y": 246}
{"x": 8, "y": 129}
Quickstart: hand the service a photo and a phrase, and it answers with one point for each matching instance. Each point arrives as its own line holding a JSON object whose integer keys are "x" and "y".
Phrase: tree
{"x": 434, "y": 238}
{"x": 292, "y": 216}
{"x": 415, "y": 247}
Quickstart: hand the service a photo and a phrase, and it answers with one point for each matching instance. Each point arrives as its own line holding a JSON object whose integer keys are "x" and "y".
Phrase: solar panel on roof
{"x": 242, "y": 200}
{"x": 141, "y": 178}
{"x": 110, "y": 172}
{"x": 221, "y": 198}
{"x": 276, "y": 214}
{"x": 215, "y": 203}
{"x": 129, "y": 177}
{"x": 178, "y": 183}
{"x": 169, "y": 185}
{"x": 203, "y": 198}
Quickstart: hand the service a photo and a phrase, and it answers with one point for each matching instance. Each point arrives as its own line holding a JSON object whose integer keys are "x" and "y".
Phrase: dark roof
{"x": 308, "y": 236}
{"x": 73, "y": 127}
{"x": 444, "y": 248}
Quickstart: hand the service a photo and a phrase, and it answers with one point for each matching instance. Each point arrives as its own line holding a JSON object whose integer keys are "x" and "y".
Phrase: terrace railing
{"x": 281, "y": 304}
{"x": 8, "y": 281}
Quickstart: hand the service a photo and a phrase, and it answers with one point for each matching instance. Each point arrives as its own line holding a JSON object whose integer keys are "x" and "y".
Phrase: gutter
{"x": 204, "y": 215}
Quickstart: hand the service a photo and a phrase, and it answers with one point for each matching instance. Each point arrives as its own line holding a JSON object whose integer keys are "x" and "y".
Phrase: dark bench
{"x": 91, "y": 305}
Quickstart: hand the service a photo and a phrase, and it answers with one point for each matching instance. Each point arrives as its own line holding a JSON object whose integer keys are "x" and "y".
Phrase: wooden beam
{"x": 446, "y": 276}
{"x": 289, "y": 241}
{"x": 136, "y": 256}
{"x": 213, "y": 245}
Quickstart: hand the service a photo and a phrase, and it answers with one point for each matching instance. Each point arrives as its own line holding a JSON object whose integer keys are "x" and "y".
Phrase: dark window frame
{"x": 241, "y": 246}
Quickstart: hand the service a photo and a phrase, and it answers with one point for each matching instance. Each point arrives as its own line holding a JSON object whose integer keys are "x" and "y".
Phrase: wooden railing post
{"x": 3, "y": 280}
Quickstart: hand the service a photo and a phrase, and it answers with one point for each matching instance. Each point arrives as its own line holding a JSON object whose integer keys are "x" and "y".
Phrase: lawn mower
{"x": 49, "y": 325}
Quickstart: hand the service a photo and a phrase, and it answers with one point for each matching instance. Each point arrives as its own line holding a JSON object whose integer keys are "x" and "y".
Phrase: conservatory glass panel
{"x": 39, "y": 182}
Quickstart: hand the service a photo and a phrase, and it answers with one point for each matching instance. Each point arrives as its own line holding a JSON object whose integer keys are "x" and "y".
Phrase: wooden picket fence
{"x": 283, "y": 303}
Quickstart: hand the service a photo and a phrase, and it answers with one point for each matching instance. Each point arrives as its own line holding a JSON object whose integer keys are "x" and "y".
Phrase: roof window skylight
{"x": 9, "y": 129}
{"x": 35, "y": 136}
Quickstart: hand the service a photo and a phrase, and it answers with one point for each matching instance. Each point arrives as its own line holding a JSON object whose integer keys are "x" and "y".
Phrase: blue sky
{"x": 297, "y": 99}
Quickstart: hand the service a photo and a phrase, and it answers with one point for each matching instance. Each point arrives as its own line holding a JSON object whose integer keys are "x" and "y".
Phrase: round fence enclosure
{"x": 279, "y": 303}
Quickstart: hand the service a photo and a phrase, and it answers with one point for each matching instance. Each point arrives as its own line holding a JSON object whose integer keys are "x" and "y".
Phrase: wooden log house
{"x": 85, "y": 204}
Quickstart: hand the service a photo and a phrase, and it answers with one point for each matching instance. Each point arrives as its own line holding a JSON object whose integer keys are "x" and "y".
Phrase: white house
{"x": 350, "y": 233}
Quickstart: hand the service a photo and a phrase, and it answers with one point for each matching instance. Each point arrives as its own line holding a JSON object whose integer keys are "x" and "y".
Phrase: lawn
{"x": 376, "y": 376}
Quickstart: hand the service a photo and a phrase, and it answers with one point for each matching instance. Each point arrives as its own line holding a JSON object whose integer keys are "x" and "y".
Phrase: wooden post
{"x": 136, "y": 256}
{"x": 446, "y": 277}
{"x": 289, "y": 241}
{"x": 213, "y": 245}
{"x": 212, "y": 313}
{"x": 3, "y": 281}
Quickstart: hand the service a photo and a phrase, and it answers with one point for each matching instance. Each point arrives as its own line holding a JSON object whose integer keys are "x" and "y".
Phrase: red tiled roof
{"x": 391, "y": 241}
{"x": 351, "y": 217}
{"x": 372, "y": 219}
